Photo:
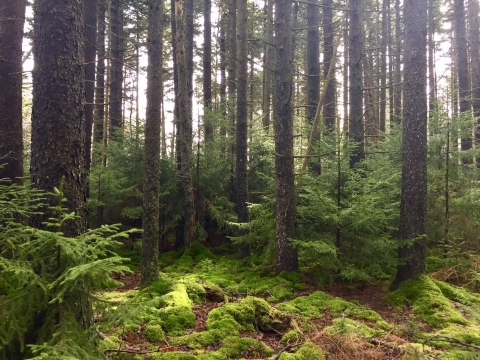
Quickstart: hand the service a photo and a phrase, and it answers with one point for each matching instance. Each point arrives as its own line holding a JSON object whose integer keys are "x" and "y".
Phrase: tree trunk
{"x": 356, "y": 83}
{"x": 241, "y": 126}
{"x": 268, "y": 64}
{"x": 11, "y": 36}
{"x": 116, "y": 77}
{"x": 287, "y": 255}
{"x": 371, "y": 128}
{"x": 100, "y": 83}
{"x": 346, "y": 67}
{"x": 431, "y": 57}
{"x": 413, "y": 205}
{"x": 474, "y": 25}
{"x": 207, "y": 67}
{"x": 462, "y": 65}
{"x": 151, "y": 171}
{"x": 185, "y": 122}
{"x": 330, "y": 111}
{"x": 383, "y": 66}
{"x": 313, "y": 59}
{"x": 90, "y": 7}
{"x": 397, "y": 87}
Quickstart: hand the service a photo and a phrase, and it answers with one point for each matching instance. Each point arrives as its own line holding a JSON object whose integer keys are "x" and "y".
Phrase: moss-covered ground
{"x": 207, "y": 307}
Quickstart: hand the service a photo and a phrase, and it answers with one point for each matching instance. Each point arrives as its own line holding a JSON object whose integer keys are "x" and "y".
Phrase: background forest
{"x": 226, "y": 159}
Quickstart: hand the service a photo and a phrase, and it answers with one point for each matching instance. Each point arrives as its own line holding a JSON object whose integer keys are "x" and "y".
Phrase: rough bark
{"x": 431, "y": 57}
{"x": 151, "y": 170}
{"x": 11, "y": 36}
{"x": 268, "y": 64}
{"x": 116, "y": 77}
{"x": 462, "y": 65}
{"x": 313, "y": 59}
{"x": 370, "y": 109}
{"x": 189, "y": 9}
{"x": 330, "y": 111}
{"x": 346, "y": 66}
{"x": 232, "y": 53}
{"x": 287, "y": 255}
{"x": 100, "y": 81}
{"x": 413, "y": 205}
{"x": 383, "y": 65}
{"x": 90, "y": 8}
{"x": 356, "y": 39}
{"x": 207, "y": 65}
{"x": 474, "y": 26}
{"x": 397, "y": 87}
{"x": 223, "y": 68}
{"x": 185, "y": 122}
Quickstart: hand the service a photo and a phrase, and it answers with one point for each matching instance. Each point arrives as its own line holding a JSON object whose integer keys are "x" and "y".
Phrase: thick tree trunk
{"x": 268, "y": 64}
{"x": 413, "y": 206}
{"x": 313, "y": 59}
{"x": 383, "y": 65}
{"x": 207, "y": 67}
{"x": 11, "y": 37}
{"x": 151, "y": 171}
{"x": 397, "y": 87}
{"x": 356, "y": 39}
{"x": 462, "y": 65}
{"x": 185, "y": 122}
{"x": 100, "y": 82}
{"x": 116, "y": 78}
{"x": 223, "y": 68}
{"x": 330, "y": 111}
{"x": 431, "y": 57}
{"x": 287, "y": 255}
{"x": 346, "y": 67}
{"x": 241, "y": 126}
{"x": 371, "y": 123}
{"x": 90, "y": 7}
{"x": 474, "y": 26}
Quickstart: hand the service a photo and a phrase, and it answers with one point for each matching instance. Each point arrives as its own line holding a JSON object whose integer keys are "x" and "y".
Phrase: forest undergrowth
{"x": 213, "y": 307}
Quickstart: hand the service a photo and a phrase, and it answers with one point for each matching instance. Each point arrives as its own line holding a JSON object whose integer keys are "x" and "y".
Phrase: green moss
{"x": 308, "y": 351}
{"x": 154, "y": 333}
{"x": 348, "y": 326}
{"x": 126, "y": 356}
{"x": 238, "y": 348}
{"x": 199, "y": 340}
{"x": 195, "y": 291}
{"x": 198, "y": 252}
{"x": 300, "y": 286}
{"x": 429, "y": 302}
{"x": 469, "y": 334}
{"x": 110, "y": 342}
{"x": 291, "y": 337}
{"x": 290, "y": 276}
{"x": 457, "y": 294}
{"x": 369, "y": 315}
{"x": 174, "y": 355}
{"x": 315, "y": 304}
{"x": 177, "y": 319}
{"x": 461, "y": 355}
{"x": 117, "y": 297}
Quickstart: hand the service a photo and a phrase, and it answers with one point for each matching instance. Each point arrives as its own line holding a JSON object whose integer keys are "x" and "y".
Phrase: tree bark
{"x": 116, "y": 77}
{"x": 287, "y": 255}
{"x": 313, "y": 58}
{"x": 383, "y": 66}
{"x": 356, "y": 39}
{"x": 397, "y": 87}
{"x": 268, "y": 64}
{"x": 90, "y": 8}
{"x": 207, "y": 68}
{"x": 151, "y": 172}
{"x": 474, "y": 25}
{"x": 413, "y": 205}
{"x": 330, "y": 111}
{"x": 185, "y": 122}
{"x": 11, "y": 141}
{"x": 431, "y": 57}
{"x": 100, "y": 82}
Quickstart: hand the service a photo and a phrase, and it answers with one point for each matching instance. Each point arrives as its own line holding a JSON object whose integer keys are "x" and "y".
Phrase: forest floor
{"x": 207, "y": 307}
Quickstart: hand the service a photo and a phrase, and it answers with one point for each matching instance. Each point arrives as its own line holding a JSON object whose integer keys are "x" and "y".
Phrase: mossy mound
{"x": 234, "y": 347}
{"x": 348, "y": 326}
{"x": 251, "y": 314}
{"x": 174, "y": 355}
{"x": 428, "y": 301}
{"x": 308, "y": 351}
{"x": 154, "y": 333}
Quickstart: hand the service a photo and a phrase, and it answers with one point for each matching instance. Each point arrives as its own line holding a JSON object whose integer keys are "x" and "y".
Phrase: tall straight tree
{"x": 90, "y": 56}
{"x": 151, "y": 167}
{"x": 12, "y": 19}
{"x": 329, "y": 111}
{"x": 287, "y": 255}
{"x": 241, "y": 125}
{"x": 397, "y": 87}
{"x": 356, "y": 38}
{"x": 474, "y": 26}
{"x": 313, "y": 59}
{"x": 116, "y": 72}
{"x": 185, "y": 122}
{"x": 383, "y": 66}
{"x": 100, "y": 80}
{"x": 268, "y": 64}
{"x": 462, "y": 65}
{"x": 207, "y": 65}
{"x": 413, "y": 205}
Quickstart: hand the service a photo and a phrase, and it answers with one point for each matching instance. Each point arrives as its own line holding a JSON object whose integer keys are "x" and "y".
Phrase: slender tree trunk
{"x": 223, "y": 69}
{"x": 462, "y": 65}
{"x": 11, "y": 36}
{"x": 189, "y": 48}
{"x": 232, "y": 54}
{"x": 241, "y": 126}
{"x": 371, "y": 129}
{"x": 268, "y": 63}
{"x": 356, "y": 83}
{"x": 413, "y": 206}
{"x": 287, "y": 255}
{"x": 116, "y": 78}
{"x": 346, "y": 67}
{"x": 185, "y": 122}
{"x": 330, "y": 110}
{"x": 383, "y": 66}
{"x": 207, "y": 68}
{"x": 90, "y": 56}
{"x": 397, "y": 95}
{"x": 474, "y": 26}
{"x": 431, "y": 57}
{"x": 151, "y": 172}
{"x": 313, "y": 59}
{"x": 100, "y": 84}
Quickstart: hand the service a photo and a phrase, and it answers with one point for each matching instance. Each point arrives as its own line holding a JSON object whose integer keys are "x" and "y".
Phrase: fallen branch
{"x": 451, "y": 340}
{"x": 288, "y": 347}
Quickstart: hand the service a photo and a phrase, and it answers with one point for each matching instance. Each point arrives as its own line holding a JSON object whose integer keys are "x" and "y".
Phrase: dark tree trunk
{"x": 313, "y": 59}
{"x": 241, "y": 126}
{"x": 330, "y": 111}
{"x": 185, "y": 122}
{"x": 100, "y": 84}
{"x": 232, "y": 53}
{"x": 356, "y": 39}
{"x": 223, "y": 68}
{"x": 151, "y": 171}
{"x": 346, "y": 67}
{"x": 474, "y": 25}
{"x": 462, "y": 65}
{"x": 287, "y": 255}
{"x": 383, "y": 65}
{"x": 116, "y": 77}
{"x": 11, "y": 36}
{"x": 397, "y": 87}
{"x": 431, "y": 57}
{"x": 207, "y": 67}
{"x": 90, "y": 7}
{"x": 413, "y": 206}
{"x": 268, "y": 64}
{"x": 370, "y": 109}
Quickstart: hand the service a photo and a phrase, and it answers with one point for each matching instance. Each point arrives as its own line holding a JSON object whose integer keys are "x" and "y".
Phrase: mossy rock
{"x": 199, "y": 340}
{"x": 126, "y": 356}
{"x": 428, "y": 301}
{"x": 154, "y": 333}
{"x": 238, "y": 348}
{"x": 314, "y": 305}
{"x": 177, "y": 319}
{"x": 291, "y": 337}
{"x": 308, "y": 351}
{"x": 174, "y": 355}
{"x": 251, "y": 313}
{"x": 349, "y": 326}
